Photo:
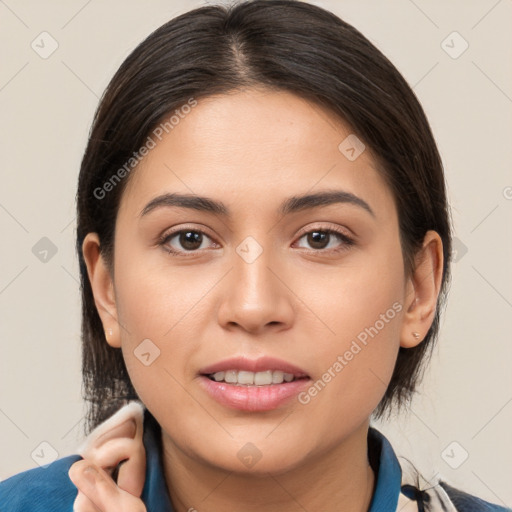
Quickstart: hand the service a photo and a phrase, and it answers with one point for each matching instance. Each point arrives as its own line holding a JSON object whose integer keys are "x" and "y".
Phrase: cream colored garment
{"x": 406, "y": 505}
{"x": 439, "y": 501}
{"x": 437, "y": 498}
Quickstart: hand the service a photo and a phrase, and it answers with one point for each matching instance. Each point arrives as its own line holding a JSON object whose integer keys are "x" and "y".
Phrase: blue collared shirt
{"x": 49, "y": 488}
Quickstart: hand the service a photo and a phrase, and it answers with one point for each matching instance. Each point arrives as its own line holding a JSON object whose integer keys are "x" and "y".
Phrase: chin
{"x": 258, "y": 457}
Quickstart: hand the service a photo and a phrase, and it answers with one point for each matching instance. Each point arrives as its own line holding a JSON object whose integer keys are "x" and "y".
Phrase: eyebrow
{"x": 290, "y": 205}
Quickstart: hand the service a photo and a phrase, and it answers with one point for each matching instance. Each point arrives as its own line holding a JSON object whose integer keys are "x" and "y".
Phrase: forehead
{"x": 255, "y": 146}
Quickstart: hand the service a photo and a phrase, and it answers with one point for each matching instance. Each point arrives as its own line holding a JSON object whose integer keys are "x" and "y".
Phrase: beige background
{"x": 46, "y": 109}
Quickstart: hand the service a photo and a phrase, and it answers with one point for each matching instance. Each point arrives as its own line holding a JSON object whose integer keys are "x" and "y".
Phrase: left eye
{"x": 321, "y": 239}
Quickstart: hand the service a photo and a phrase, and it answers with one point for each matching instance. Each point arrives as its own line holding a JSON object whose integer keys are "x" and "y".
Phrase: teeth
{"x": 231, "y": 376}
{"x": 262, "y": 378}
{"x": 245, "y": 377}
{"x": 277, "y": 377}
{"x": 253, "y": 378}
{"x": 218, "y": 376}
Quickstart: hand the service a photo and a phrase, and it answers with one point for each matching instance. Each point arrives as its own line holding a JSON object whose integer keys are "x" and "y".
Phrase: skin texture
{"x": 298, "y": 301}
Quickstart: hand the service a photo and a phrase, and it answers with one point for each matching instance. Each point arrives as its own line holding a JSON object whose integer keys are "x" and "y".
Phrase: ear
{"x": 422, "y": 290}
{"x": 102, "y": 288}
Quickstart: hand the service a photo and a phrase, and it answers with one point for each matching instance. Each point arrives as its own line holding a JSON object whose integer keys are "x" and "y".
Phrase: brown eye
{"x": 190, "y": 240}
{"x": 185, "y": 240}
{"x": 321, "y": 239}
{"x": 318, "y": 239}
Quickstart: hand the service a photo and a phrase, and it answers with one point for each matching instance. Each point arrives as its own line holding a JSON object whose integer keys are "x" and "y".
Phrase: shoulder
{"x": 467, "y": 502}
{"x": 439, "y": 495}
{"x": 444, "y": 497}
{"x": 415, "y": 493}
{"x": 40, "y": 489}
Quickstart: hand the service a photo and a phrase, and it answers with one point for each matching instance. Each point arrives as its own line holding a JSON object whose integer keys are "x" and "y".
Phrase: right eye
{"x": 183, "y": 241}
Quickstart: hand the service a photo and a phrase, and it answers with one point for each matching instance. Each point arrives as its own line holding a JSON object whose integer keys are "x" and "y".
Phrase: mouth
{"x": 253, "y": 385}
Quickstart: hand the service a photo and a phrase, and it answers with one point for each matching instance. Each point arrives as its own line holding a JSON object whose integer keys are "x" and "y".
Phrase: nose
{"x": 255, "y": 296}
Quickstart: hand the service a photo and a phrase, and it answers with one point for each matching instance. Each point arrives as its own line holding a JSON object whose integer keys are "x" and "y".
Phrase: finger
{"x": 88, "y": 478}
{"x": 83, "y": 504}
{"x": 129, "y": 457}
{"x": 101, "y": 490}
{"x": 132, "y": 473}
{"x": 110, "y": 454}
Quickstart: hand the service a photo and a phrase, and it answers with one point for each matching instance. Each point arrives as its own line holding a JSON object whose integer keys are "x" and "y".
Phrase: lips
{"x": 253, "y": 385}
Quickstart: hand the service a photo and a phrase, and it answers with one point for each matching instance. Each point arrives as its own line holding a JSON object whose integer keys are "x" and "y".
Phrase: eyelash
{"x": 347, "y": 241}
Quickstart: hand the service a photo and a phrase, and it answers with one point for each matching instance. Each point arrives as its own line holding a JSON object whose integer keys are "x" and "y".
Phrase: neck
{"x": 341, "y": 474}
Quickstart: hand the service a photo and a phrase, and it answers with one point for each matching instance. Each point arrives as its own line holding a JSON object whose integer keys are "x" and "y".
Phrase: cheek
{"x": 161, "y": 314}
{"x": 362, "y": 306}
{"x": 352, "y": 296}
{"x": 155, "y": 300}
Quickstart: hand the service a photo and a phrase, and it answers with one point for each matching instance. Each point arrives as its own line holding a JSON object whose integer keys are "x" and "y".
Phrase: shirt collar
{"x": 388, "y": 474}
{"x": 154, "y": 495}
{"x": 382, "y": 458}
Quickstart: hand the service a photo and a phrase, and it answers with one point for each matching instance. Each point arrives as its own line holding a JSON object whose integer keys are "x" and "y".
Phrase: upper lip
{"x": 253, "y": 365}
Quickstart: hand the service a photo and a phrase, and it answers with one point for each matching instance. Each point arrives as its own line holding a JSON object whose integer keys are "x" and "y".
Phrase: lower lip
{"x": 253, "y": 398}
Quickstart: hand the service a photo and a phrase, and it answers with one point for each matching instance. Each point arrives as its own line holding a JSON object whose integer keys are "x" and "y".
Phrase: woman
{"x": 264, "y": 244}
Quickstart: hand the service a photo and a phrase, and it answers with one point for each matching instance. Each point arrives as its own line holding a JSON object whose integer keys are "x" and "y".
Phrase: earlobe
{"x": 422, "y": 291}
{"x": 102, "y": 288}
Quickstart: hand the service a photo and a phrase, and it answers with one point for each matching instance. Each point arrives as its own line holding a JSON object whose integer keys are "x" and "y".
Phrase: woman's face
{"x": 260, "y": 276}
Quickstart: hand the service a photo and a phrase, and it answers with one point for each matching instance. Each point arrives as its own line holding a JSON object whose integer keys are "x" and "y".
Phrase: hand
{"x": 98, "y": 492}
{"x": 115, "y": 453}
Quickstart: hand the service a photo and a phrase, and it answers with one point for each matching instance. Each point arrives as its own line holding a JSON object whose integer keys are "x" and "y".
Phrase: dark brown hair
{"x": 282, "y": 45}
